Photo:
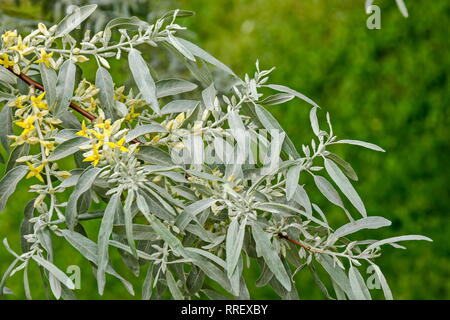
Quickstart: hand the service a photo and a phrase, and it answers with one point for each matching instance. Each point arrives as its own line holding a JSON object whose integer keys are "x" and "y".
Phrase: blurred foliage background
{"x": 387, "y": 86}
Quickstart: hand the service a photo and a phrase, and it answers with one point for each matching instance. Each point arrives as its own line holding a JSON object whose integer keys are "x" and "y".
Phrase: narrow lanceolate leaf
{"x": 345, "y": 166}
{"x": 104, "y": 83}
{"x": 234, "y": 242}
{"x": 384, "y": 285}
{"x": 301, "y": 197}
{"x": 89, "y": 249}
{"x": 143, "y": 79}
{"x": 402, "y": 7}
{"x": 337, "y": 275}
{"x": 285, "y": 89}
{"x": 171, "y": 87}
{"x": 9, "y": 182}
{"x": 26, "y": 227}
{"x": 65, "y": 85}
{"x": 396, "y": 239}
{"x": 74, "y": 19}
{"x": 292, "y": 176}
{"x": 67, "y": 148}
{"x": 191, "y": 211}
{"x": 354, "y": 226}
{"x": 209, "y": 95}
{"x": 202, "y": 54}
{"x": 178, "y": 106}
{"x": 84, "y": 184}
{"x": 57, "y": 273}
{"x": 103, "y": 240}
{"x": 5, "y": 127}
{"x": 173, "y": 287}
{"x": 344, "y": 184}
{"x": 314, "y": 121}
{"x": 327, "y": 189}
{"x": 361, "y": 144}
{"x": 270, "y": 123}
{"x": 181, "y": 49}
{"x": 49, "y": 78}
{"x": 129, "y": 222}
{"x": 265, "y": 249}
{"x": 144, "y": 129}
{"x": 358, "y": 285}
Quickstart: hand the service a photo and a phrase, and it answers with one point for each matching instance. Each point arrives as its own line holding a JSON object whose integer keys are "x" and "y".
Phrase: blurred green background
{"x": 387, "y": 86}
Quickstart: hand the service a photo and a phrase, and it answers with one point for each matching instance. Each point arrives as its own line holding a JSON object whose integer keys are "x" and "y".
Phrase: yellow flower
{"x": 27, "y": 125}
{"x": 35, "y": 172}
{"x": 9, "y": 37}
{"x": 21, "y": 48}
{"x": 6, "y": 62}
{"x": 106, "y": 126}
{"x": 45, "y": 58}
{"x": 118, "y": 94}
{"x": 37, "y": 102}
{"x": 95, "y": 157}
{"x": 49, "y": 146}
{"x": 18, "y": 103}
{"x": 84, "y": 132}
{"x": 119, "y": 145}
{"x": 132, "y": 115}
{"x": 92, "y": 105}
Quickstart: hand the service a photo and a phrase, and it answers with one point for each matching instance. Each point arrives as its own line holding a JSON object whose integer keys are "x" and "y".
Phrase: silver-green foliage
{"x": 183, "y": 221}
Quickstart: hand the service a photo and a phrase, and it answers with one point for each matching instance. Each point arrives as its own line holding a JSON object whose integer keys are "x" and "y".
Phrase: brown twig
{"x": 281, "y": 236}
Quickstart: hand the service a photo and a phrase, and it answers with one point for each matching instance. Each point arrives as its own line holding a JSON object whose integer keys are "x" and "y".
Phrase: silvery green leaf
{"x": 148, "y": 283}
{"x": 358, "y": 285}
{"x": 234, "y": 242}
{"x": 362, "y": 144}
{"x": 292, "y": 176}
{"x": 314, "y": 121}
{"x": 6, "y": 76}
{"x": 65, "y": 85}
{"x": 178, "y": 106}
{"x": 9, "y": 182}
{"x": 171, "y": 87}
{"x": 6, "y": 275}
{"x": 327, "y": 189}
{"x": 103, "y": 240}
{"x": 285, "y": 89}
{"x": 345, "y": 185}
{"x": 73, "y": 20}
{"x": 26, "y": 227}
{"x": 67, "y": 148}
{"x": 270, "y": 123}
{"x": 194, "y": 281}
{"x": 265, "y": 249}
{"x": 173, "y": 287}
{"x": 384, "y": 285}
{"x": 49, "y": 78}
{"x": 139, "y": 254}
{"x": 345, "y": 166}
{"x": 5, "y": 127}
{"x": 181, "y": 49}
{"x": 202, "y": 54}
{"x": 89, "y": 249}
{"x": 104, "y": 82}
{"x": 154, "y": 155}
{"x": 165, "y": 233}
{"x": 191, "y": 211}
{"x": 142, "y": 130}
{"x": 129, "y": 222}
{"x": 396, "y": 239}
{"x": 402, "y": 7}
{"x": 209, "y": 95}
{"x": 301, "y": 197}
{"x": 55, "y": 286}
{"x": 337, "y": 275}
{"x": 354, "y": 226}
{"x": 143, "y": 79}
{"x": 61, "y": 276}
{"x": 319, "y": 282}
{"x": 275, "y": 99}
{"x": 18, "y": 152}
{"x": 84, "y": 184}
